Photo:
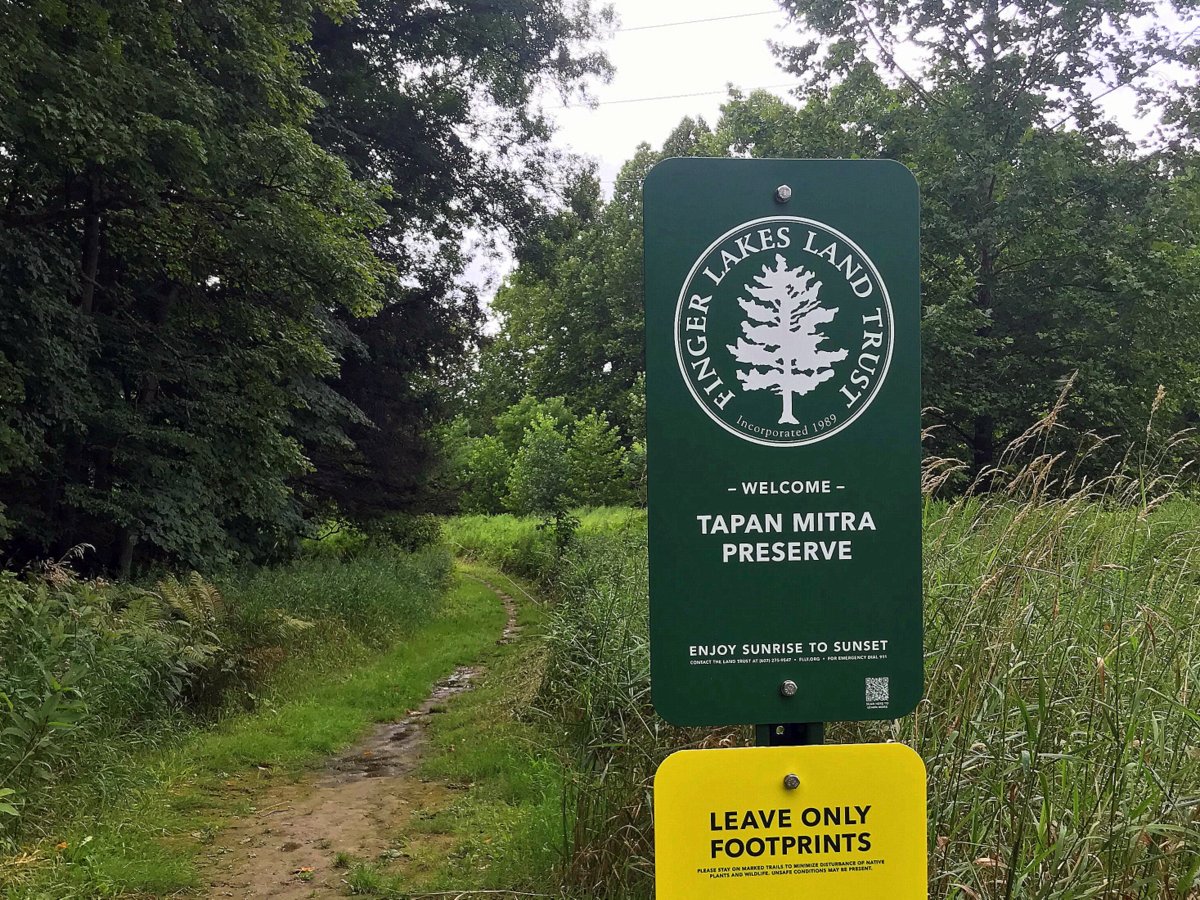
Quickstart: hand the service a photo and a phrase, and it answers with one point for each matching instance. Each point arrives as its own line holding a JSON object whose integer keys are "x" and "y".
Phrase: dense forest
{"x": 234, "y": 239}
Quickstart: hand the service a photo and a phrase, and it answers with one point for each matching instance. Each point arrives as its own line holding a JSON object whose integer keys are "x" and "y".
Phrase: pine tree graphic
{"x": 782, "y": 351}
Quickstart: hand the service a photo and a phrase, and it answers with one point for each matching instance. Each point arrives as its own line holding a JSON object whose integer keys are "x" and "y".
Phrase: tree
{"x": 572, "y": 314}
{"x": 596, "y": 462}
{"x": 404, "y": 88}
{"x": 1039, "y": 214}
{"x": 488, "y": 470}
{"x": 173, "y": 247}
{"x": 540, "y": 480}
{"x": 228, "y": 248}
{"x": 782, "y": 351}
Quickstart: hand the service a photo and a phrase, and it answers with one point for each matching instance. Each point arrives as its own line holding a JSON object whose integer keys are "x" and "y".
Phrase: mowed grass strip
{"x": 504, "y": 831}
{"x": 145, "y": 840}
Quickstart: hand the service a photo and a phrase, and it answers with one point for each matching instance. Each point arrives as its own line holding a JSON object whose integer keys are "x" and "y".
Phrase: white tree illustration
{"x": 782, "y": 351}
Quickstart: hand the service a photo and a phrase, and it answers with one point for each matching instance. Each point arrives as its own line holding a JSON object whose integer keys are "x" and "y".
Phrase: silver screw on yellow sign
{"x": 791, "y": 782}
{"x": 788, "y": 688}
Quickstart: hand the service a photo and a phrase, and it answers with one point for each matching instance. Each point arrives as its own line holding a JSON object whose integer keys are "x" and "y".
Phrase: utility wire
{"x": 763, "y": 87}
{"x": 765, "y": 12}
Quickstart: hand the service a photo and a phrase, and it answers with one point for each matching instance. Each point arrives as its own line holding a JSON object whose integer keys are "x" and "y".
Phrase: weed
{"x": 367, "y": 879}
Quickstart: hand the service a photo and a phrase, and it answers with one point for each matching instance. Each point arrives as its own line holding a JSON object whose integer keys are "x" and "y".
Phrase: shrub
{"x": 407, "y": 531}
{"x": 488, "y": 467}
{"x": 596, "y": 462}
{"x": 539, "y": 480}
{"x": 82, "y": 659}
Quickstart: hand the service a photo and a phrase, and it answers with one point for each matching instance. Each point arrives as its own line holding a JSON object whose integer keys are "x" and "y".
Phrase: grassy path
{"x": 302, "y": 835}
{"x": 495, "y": 826}
{"x": 161, "y": 839}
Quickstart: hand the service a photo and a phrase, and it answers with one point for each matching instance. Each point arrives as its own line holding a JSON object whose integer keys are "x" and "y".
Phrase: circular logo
{"x": 783, "y": 331}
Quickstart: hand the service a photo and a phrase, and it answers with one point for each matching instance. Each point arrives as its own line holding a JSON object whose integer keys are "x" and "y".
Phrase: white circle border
{"x": 887, "y": 300}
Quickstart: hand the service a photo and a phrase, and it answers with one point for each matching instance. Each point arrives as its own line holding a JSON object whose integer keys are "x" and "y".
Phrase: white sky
{"x": 700, "y": 58}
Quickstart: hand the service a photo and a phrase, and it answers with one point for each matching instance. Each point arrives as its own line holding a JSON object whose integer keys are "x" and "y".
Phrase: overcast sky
{"x": 656, "y": 58}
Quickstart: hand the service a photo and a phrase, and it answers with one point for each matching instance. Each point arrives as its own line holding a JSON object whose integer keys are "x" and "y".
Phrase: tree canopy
{"x": 1053, "y": 244}
{"x": 228, "y": 250}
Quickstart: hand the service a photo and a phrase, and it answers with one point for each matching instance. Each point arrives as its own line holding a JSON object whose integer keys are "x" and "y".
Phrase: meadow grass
{"x": 524, "y": 546}
{"x": 135, "y": 821}
{"x": 1059, "y": 725}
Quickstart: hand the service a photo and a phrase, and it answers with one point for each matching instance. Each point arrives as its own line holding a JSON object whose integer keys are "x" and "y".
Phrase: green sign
{"x": 783, "y": 417}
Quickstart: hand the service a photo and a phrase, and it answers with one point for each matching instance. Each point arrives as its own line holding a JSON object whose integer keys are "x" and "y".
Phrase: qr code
{"x": 877, "y": 692}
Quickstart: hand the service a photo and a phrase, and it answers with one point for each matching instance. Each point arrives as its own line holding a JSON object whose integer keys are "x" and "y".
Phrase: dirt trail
{"x": 361, "y": 803}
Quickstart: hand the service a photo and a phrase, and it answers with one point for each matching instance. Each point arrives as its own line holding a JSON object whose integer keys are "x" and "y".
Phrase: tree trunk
{"x": 124, "y": 560}
{"x": 90, "y": 264}
{"x": 983, "y": 444}
{"x": 74, "y": 452}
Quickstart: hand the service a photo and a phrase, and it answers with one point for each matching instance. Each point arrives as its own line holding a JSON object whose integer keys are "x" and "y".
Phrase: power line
{"x": 1138, "y": 74}
{"x": 764, "y": 87}
{"x": 765, "y": 12}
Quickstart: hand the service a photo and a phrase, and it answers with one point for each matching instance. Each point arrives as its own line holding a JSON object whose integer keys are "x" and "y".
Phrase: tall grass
{"x": 525, "y": 546}
{"x": 1060, "y": 724}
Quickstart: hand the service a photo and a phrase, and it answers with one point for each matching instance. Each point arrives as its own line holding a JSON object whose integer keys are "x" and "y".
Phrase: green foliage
{"x": 488, "y": 466}
{"x": 596, "y": 463}
{"x": 1019, "y": 293}
{"x": 397, "y": 118}
{"x": 513, "y": 424}
{"x": 370, "y": 596}
{"x": 408, "y": 532}
{"x": 539, "y": 481}
{"x": 597, "y": 468}
{"x": 571, "y": 314}
{"x": 635, "y": 471}
{"x": 228, "y": 251}
{"x": 519, "y": 546}
{"x": 82, "y": 660}
{"x": 169, "y": 240}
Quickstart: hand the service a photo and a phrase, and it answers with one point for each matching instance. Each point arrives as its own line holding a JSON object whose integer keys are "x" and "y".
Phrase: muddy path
{"x": 361, "y": 803}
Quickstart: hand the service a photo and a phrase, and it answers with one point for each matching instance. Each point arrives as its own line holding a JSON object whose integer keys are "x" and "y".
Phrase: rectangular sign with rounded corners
{"x": 783, "y": 420}
{"x": 837, "y": 822}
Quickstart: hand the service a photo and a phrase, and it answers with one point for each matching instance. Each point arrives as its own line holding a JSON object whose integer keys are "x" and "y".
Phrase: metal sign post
{"x": 783, "y": 430}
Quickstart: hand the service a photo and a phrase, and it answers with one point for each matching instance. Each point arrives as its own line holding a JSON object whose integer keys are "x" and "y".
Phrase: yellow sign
{"x": 831, "y": 822}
